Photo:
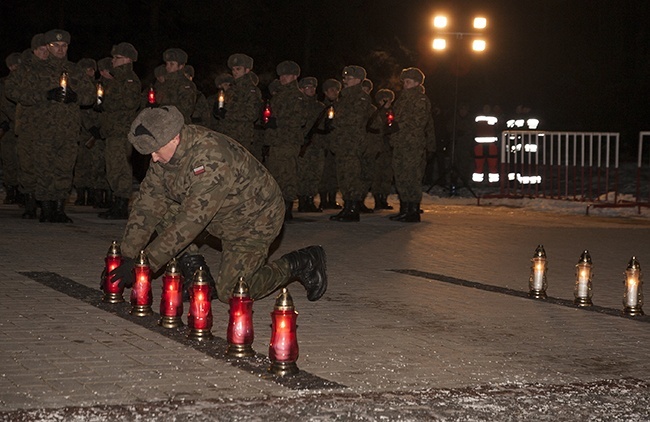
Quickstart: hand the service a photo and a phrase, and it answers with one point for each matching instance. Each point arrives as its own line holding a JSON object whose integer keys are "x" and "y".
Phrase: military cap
{"x": 38, "y": 40}
{"x": 56, "y": 35}
{"x": 223, "y": 78}
{"x": 154, "y": 128}
{"x": 188, "y": 70}
{"x": 105, "y": 64}
{"x": 239, "y": 59}
{"x": 13, "y": 59}
{"x": 331, "y": 83}
{"x": 254, "y": 78}
{"x": 125, "y": 49}
{"x": 354, "y": 71}
{"x": 412, "y": 73}
{"x": 87, "y": 63}
{"x": 288, "y": 67}
{"x": 175, "y": 55}
{"x": 384, "y": 95}
{"x": 367, "y": 83}
{"x": 308, "y": 81}
{"x": 160, "y": 71}
{"x": 274, "y": 86}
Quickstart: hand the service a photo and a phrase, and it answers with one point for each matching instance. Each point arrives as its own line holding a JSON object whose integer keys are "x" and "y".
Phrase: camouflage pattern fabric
{"x": 178, "y": 91}
{"x": 328, "y": 181}
{"x": 310, "y": 164}
{"x": 211, "y": 183}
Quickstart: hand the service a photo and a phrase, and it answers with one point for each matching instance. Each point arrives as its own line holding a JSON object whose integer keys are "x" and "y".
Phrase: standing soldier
{"x": 349, "y": 129}
{"x": 27, "y": 127}
{"x": 369, "y": 150}
{"x": 223, "y": 82}
{"x": 383, "y": 180}
{"x": 8, "y": 139}
{"x": 241, "y": 106}
{"x": 56, "y": 90}
{"x": 83, "y": 168}
{"x": 286, "y": 132}
{"x": 201, "y": 113}
{"x": 328, "y": 183}
{"x": 311, "y": 158}
{"x": 176, "y": 89}
{"x": 119, "y": 107}
{"x": 412, "y": 111}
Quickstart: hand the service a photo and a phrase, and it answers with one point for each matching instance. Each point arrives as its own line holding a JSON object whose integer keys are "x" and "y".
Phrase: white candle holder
{"x": 633, "y": 296}
{"x": 583, "y": 289}
{"x": 537, "y": 283}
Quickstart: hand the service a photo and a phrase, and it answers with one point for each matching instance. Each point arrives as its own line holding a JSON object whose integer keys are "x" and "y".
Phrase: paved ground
{"x": 421, "y": 321}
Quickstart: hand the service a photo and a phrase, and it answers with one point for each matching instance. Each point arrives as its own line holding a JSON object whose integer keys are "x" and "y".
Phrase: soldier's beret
{"x": 175, "y": 55}
{"x": 308, "y": 81}
{"x": 412, "y": 73}
{"x": 105, "y": 64}
{"x": 367, "y": 83}
{"x": 154, "y": 128}
{"x": 56, "y": 35}
{"x": 354, "y": 71}
{"x": 87, "y": 63}
{"x": 13, "y": 59}
{"x": 384, "y": 95}
{"x": 331, "y": 83}
{"x": 223, "y": 78}
{"x": 239, "y": 59}
{"x": 288, "y": 67}
{"x": 125, "y": 49}
{"x": 38, "y": 40}
{"x": 188, "y": 70}
{"x": 160, "y": 71}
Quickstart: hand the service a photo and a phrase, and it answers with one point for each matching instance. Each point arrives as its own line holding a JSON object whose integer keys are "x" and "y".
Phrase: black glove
{"x": 272, "y": 123}
{"x": 99, "y": 108}
{"x": 56, "y": 94}
{"x": 94, "y": 131}
{"x": 70, "y": 96}
{"x": 124, "y": 273}
{"x": 218, "y": 113}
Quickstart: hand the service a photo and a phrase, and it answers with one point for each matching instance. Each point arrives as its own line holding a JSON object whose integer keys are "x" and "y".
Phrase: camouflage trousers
{"x": 310, "y": 170}
{"x": 348, "y": 171}
{"x": 26, "y": 162}
{"x": 9, "y": 158}
{"x": 408, "y": 169}
{"x": 119, "y": 172}
{"x": 282, "y": 163}
{"x": 83, "y": 168}
{"x": 329, "y": 181}
{"x": 54, "y": 160}
{"x": 383, "y": 180}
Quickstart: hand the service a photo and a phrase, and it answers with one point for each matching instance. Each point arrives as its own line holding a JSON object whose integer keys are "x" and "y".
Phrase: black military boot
{"x": 301, "y": 203}
{"x": 309, "y": 205}
{"x": 189, "y": 264}
{"x": 47, "y": 211}
{"x": 30, "y": 207}
{"x": 323, "y": 205}
{"x": 332, "y": 201}
{"x": 59, "y": 215}
{"x": 350, "y": 212}
{"x": 81, "y": 196}
{"x": 12, "y": 195}
{"x": 288, "y": 205}
{"x": 381, "y": 202}
{"x": 401, "y": 213}
{"x": 412, "y": 213}
{"x": 99, "y": 198}
{"x": 308, "y": 265}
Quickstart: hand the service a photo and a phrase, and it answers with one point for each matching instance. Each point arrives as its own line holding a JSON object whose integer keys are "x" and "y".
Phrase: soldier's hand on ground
{"x": 124, "y": 273}
{"x": 56, "y": 94}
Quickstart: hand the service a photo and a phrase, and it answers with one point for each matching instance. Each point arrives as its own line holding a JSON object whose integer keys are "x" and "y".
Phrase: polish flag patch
{"x": 199, "y": 170}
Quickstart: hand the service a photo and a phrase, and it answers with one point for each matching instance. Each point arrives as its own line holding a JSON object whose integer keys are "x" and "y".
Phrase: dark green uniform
{"x": 178, "y": 91}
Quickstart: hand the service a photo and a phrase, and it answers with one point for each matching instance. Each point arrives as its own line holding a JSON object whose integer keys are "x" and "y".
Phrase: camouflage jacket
{"x": 178, "y": 91}
{"x": 242, "y": 103}
{"x": 121, "y": 101}
{"x": 210, "y": 183}
{"x": 289, "y": 108}
{"x": 316, "y": 121}
{"x": 30, "y": 86}
{"x": 351, "y": 115}
{"x": 412, "y": 111}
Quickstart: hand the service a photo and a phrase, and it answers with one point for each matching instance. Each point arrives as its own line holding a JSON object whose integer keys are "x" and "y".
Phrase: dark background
{"x": 580, "y": 65}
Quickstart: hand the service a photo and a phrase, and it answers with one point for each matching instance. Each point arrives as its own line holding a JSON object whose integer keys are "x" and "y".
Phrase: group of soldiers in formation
{"x": 63, "y": 129}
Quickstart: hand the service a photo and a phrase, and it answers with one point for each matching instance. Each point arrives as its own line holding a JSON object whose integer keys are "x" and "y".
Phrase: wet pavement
{"x": 427, "y": 321}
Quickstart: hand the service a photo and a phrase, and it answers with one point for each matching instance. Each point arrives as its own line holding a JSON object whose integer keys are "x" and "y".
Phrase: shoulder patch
{"x": 198, "y": 170}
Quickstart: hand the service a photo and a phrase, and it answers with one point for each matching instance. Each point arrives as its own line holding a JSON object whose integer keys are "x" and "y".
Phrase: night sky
{"x": 580, "y": 65}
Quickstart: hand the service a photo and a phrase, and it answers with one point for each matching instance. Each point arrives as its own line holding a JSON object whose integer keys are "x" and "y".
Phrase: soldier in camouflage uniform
{"x": 176, "y": 89}
{"x": 328, "y": 185}
{"x": 8, "y": 138}
{"x": 27, "y": 128}
{"x": 369, "y": 150}
{"x": 349, "y": 129}
{"x": 412, "y": 111}
{"x": 207, "y": 181}
{"x": 311, "y": 158}
{"x": 223, "y": 82}
{"x": 241, "y": 106}
{"x": 201, "y": 114}
{"x": 118, "y": 109}
{"x": 286, "y": 131}
{"x": 383, "y": 180}
{"x": 57, "y": 105}
{"x": 83, "y": 168}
